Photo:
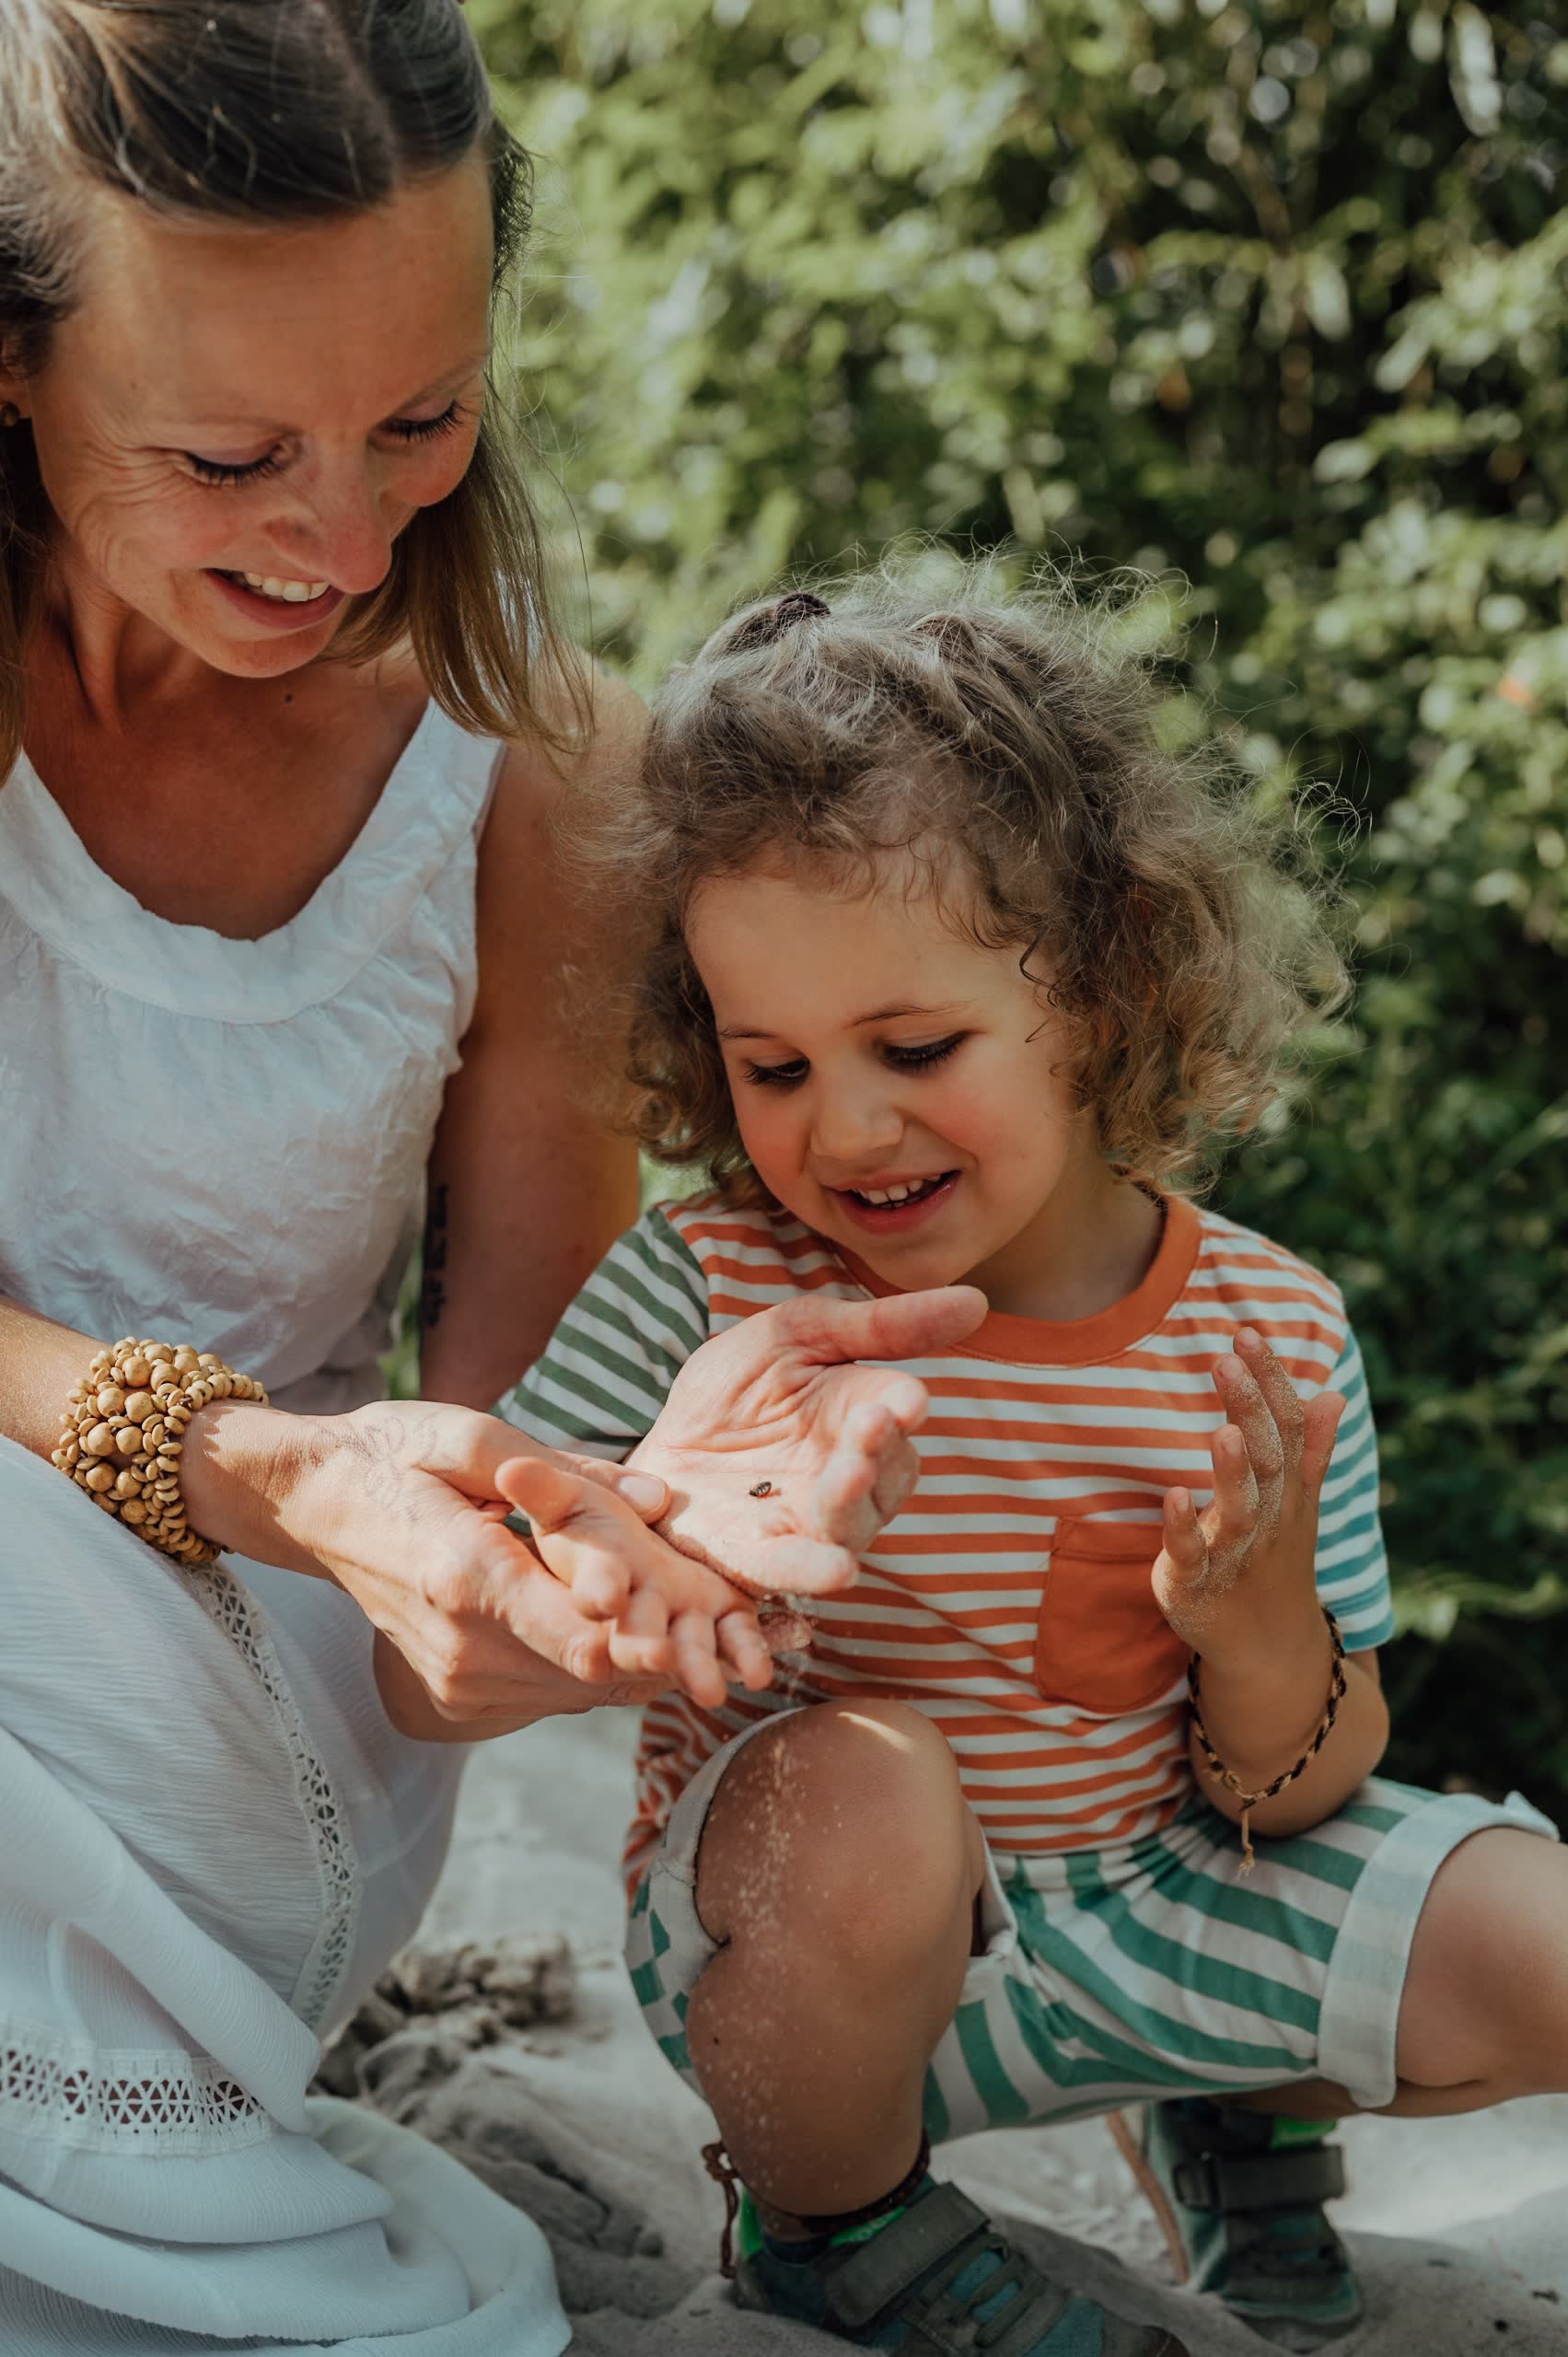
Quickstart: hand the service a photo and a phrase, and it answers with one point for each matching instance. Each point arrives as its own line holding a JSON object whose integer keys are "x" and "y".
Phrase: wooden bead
{"x": 110, "y": 1400}
{"x": 161, "y": 1372}
{"x": 68, "y": 1453}
{"x": 100, "y": 1440}
{"x": 128, "y": 1439}
{"x": 126, "y": 1484}
{"x": 136, "y": 1369}
{"x": 155, "y": 1431}
{"x": 209, "y": 1362}
{"x": 101, "y": 1360}
{"x": 186, "y": 1360}
{"x": 139, "y": 1406}
{"x": 132, "y": 1511}
{"x": 100, "y": 1477}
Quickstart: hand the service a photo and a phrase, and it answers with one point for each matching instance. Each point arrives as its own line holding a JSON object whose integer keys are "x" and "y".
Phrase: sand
{"x": 1459, "y": 2227}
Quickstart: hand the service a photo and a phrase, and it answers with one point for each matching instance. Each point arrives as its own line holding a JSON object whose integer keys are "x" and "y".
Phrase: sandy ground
{"x": 1459, "y": 2227}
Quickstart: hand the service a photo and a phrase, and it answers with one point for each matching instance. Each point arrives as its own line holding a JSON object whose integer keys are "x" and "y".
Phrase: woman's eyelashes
{"x": 903, "y": 1059}
{"x": 405, "y": 429}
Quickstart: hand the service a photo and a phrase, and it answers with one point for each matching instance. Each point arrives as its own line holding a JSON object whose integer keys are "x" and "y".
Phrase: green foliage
{"x": 1261, "y": 298}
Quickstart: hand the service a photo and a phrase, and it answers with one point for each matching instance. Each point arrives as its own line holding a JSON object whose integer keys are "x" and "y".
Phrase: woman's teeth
{"x": 293, "y": 593}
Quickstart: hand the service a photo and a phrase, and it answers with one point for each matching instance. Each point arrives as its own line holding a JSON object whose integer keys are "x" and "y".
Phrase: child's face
{"x": 872, "y": 1050}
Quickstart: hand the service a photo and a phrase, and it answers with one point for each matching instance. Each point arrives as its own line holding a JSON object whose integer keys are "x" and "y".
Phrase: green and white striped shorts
{"x": 1153, "y": 1968}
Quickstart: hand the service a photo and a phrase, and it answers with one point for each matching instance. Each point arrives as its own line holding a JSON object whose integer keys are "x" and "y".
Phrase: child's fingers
{"x": 872, "y": 1471}
{"x": 881, "y": 1440}
{"x": 1279, "y": 1393}
{"x": 743, "y": 1646}
{"x": 1186, "y": 1558}
{"x": 696, "y": 1660}
{"x": 1321, "y": 1424}
{"x": 640, "y": 1644}
{"x": 1248, "y": 1410}
{"x": 579, "y": 1533}
{"x": 1231, "y": 1522}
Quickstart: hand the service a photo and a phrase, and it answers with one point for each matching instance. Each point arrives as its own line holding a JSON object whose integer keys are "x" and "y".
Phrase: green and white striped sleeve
{"x": 611, "y": 1361}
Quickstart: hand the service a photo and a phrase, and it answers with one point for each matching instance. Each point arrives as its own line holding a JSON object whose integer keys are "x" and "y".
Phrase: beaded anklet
{"x": 1221, "y": 1774}
{"x": 122, "y": 1435}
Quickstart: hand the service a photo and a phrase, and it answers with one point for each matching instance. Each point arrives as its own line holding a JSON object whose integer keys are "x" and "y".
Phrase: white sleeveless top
{"x": 228, "y": 1138}
{"x": 224, "y": 1838}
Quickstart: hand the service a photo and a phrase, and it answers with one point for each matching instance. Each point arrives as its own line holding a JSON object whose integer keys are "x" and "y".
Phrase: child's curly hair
{"x": 1011, "y": 747}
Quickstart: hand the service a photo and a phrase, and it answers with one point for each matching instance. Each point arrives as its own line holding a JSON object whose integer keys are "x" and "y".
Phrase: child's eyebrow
{"x": 877, "y": 1014}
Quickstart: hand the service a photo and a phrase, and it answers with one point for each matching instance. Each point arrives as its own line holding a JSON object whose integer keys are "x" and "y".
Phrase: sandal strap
{"x": 1235, "y": 2183}
{"x": 918, "y": 2258}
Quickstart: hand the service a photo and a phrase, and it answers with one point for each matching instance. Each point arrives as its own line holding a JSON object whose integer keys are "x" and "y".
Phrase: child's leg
{"x": 838, "y": 1872}
{"x": 1485, "y": 2013}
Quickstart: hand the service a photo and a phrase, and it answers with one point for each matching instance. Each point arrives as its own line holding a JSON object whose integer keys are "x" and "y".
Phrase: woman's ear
{"x": 14, "y": 405}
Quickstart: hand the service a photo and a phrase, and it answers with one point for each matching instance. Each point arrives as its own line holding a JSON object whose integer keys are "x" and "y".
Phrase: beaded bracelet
{"x": 122, "y": 1435}
{"x": 1221, "y": 1774}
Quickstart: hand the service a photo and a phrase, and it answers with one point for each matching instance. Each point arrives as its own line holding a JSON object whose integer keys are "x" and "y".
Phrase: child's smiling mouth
{"x": 897, "y": 1203}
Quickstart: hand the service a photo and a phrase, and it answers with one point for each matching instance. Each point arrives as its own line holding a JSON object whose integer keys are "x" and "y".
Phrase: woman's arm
{"x": 38, "y": 1363}
{"x": 527, "y": 1190}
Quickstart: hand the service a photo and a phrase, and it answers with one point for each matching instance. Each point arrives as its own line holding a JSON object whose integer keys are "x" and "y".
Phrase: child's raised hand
{"x": 1231, "y": 1580}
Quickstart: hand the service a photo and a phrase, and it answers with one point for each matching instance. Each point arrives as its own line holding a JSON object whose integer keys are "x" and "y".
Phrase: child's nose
{"x": 849, "y": 1125}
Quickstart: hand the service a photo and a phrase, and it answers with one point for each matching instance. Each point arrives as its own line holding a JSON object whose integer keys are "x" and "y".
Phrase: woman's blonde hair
{"x": 1011, "y": 748}
{"x": 265, "y": 113}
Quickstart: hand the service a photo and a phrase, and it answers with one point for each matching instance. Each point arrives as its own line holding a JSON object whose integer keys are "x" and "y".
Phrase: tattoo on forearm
{"x": 433, "y": 1285}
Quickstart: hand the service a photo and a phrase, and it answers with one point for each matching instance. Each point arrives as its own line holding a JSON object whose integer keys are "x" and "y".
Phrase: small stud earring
{"x": 10, "y": 415}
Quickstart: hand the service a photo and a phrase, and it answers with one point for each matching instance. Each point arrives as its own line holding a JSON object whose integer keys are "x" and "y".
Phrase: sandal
{"x": 937, "y": 2281}
{"x": 1244, "y": 2191}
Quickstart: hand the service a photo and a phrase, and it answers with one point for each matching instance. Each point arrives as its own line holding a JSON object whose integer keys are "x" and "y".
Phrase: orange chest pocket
{"x": 1102, "y": 1644}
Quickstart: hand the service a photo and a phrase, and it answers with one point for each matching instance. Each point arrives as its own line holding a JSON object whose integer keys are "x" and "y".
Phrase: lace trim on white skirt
{"x": 103, "y": 2099}
{"x": 337, "y": 1860}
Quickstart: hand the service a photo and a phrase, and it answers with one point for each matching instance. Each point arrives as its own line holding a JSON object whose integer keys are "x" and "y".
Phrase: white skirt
{"x": 210, "y": 1842}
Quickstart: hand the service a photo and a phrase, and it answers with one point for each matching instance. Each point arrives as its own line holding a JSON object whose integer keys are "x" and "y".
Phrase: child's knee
{"x": 846, "y": 1820}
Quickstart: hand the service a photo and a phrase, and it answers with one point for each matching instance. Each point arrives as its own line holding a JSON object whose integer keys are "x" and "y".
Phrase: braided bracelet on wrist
{"x": 123, "y": 1434}
{"x": 1223, "y": 1775}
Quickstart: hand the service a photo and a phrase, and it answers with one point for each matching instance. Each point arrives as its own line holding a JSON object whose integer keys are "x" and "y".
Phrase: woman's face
{"x": 234, "y": 425}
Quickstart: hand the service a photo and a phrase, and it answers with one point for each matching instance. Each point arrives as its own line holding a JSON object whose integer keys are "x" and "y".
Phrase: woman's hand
{"x": 400, "y": 1505}
{"x": 784, "y": 1461}
{"x": 1239, "y": 1581}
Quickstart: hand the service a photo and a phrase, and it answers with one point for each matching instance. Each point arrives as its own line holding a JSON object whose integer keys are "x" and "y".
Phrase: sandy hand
{"x": 1231, "y": 1579}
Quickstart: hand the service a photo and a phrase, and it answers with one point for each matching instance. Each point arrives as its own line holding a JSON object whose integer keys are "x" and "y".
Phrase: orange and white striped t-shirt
{"x": 1010, "y": 1599}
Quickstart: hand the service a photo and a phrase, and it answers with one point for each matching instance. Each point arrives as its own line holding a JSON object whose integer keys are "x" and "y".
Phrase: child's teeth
{"x": 294, "y": 593}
